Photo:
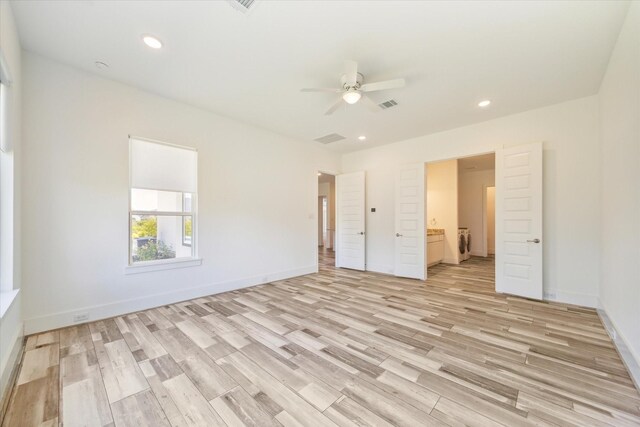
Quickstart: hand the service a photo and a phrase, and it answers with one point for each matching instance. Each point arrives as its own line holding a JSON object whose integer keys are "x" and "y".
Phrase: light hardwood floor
{"x": 335, "y": 348}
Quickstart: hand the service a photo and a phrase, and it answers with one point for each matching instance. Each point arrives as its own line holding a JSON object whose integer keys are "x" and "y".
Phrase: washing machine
{"x": 462, "y": 244}
{"x": 468, "y": 254}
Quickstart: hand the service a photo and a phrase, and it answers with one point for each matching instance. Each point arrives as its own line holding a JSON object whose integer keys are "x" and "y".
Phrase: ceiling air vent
{"x": 388, "y": 104}
{"x": 242, "y": 5}
{"x": 328, "y": 139}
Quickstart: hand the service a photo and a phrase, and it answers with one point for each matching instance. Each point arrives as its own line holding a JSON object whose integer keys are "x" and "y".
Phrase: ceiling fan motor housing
{"x": 359, "y": 80}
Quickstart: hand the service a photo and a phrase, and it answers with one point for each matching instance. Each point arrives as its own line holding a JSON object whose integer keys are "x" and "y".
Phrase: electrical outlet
{"x": 81, "y": 317}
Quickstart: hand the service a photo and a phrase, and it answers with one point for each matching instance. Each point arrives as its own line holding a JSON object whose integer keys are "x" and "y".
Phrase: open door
{"x": 410, "y": 247}
{"x": 518, "y": 217}
{"x": 350, "y": 209}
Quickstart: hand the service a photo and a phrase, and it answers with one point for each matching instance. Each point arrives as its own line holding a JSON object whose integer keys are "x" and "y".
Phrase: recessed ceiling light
{"x": 101, "y": 65}
{"x": 484, "y": 104}
{"x": 152, "y": 42}
{"x": 319, "y": 173}
{"x": 362, "y": 138}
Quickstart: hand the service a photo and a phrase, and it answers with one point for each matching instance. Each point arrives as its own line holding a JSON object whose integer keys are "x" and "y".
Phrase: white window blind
{"x": 157, "y": 166}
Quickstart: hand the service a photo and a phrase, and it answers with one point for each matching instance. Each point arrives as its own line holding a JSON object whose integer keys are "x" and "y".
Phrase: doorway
{"x": 456, "y": 211}
{"x": 326, "y": 219}
{"x": 517, "y": 175}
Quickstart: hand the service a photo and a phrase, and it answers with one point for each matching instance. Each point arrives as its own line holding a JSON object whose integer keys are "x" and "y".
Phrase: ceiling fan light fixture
{"x": 351, "y": 96}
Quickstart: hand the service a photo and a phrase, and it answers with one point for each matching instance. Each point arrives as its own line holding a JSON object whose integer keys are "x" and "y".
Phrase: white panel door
{"x": 410, "y": 247}
{"x": 350, "y": 209}
{"x": 519, "y": 220}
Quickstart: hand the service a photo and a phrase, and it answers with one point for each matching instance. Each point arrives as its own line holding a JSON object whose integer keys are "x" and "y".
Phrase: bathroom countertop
{"x": 434, "y": 231}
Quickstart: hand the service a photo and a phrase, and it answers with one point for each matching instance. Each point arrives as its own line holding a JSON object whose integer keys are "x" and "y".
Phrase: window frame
{"x": 162, "y": 264}
{"x": 184, "y": 223}
{"x": 9, "y": 289}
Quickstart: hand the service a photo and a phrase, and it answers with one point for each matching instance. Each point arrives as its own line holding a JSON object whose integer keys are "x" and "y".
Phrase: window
{"x": 187, "y": 221}
{"x": 8, "y": 286}
{"x": 162, "y": 214}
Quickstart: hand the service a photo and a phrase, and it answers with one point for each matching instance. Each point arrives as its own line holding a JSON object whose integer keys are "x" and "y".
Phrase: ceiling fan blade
{"x": 386, "y": 84}
{"x": 351, "y": 72}
{"x": 370, "y": 104}
{"x": 334, "y": 107}
{"x": 321, "y": 89}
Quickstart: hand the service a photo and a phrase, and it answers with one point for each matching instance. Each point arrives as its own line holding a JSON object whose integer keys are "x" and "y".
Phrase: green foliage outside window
{"x": 154, "y": 250}
{"x": 187, "y": 227}
{"x": 144, "y": 227}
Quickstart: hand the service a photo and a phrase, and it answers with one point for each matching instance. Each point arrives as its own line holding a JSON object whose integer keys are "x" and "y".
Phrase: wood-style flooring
{"x": 340, "y": 348}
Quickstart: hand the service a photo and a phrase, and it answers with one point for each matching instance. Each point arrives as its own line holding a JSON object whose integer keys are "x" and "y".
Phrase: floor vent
{"x": 388, "y": 104}
{"x": 242, "y": 5}
{"x": 328, "y": 139}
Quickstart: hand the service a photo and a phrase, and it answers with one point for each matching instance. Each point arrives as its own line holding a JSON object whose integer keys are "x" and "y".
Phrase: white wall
{"x": 571, "y": 187}
{"x": 471, "y": 212}
{"x": 442, "y": 204}
{"x": 620, "y": 160}
{"x": 75, "y": 198}
{"x": 10, "y": 219}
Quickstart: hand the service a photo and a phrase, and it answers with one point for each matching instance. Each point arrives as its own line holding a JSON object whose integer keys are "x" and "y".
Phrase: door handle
{"x": 534, "y": 241}
{"x": 361, "y": 233}
{"x": 398, "y": 235}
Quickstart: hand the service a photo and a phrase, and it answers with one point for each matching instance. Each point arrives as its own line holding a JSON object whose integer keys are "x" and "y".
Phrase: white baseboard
{"x": 630, "y": 359}
{"x": 584, "y": 300}
{"x": 480, "y": 253}
{"x": 118, "y": 308}
{"x": 7, "y": 374}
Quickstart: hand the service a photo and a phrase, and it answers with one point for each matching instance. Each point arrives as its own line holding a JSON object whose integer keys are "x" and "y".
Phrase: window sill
{"x": 6, "y": 299}
{"x": 151, "y": 266}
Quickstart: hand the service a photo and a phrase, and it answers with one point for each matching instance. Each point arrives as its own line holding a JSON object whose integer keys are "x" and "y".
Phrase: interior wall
{"x": 471, "y": 212}
{"x": 11, "y": 330}
{"x": 442, "y": 204}
{"x": 571, "y": 187}
{"x": 491, "y": 220}
{"x": 76, "y": 153}
{"x": 620, "y": 162}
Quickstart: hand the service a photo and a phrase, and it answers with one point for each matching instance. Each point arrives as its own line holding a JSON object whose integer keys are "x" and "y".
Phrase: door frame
{"x": 485, "y": 220}
{"x": 484, "y": 197}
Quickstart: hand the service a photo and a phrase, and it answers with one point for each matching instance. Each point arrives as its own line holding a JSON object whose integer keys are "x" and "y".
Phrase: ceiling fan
{"x": 353, "y": 88}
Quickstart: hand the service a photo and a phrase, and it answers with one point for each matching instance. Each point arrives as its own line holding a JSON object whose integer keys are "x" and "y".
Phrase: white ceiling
{"x": 521, "y": 55}
{"x": 477, "y": 163}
